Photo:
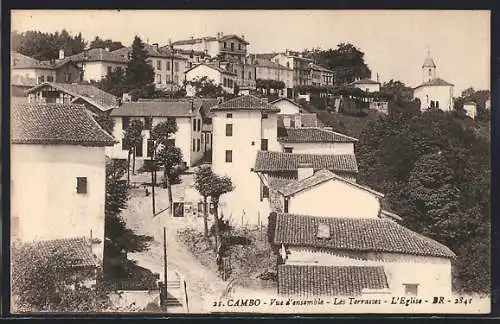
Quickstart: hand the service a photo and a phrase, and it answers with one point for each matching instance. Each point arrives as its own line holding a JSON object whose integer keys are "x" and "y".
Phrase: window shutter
{"x": 81, "y": 185}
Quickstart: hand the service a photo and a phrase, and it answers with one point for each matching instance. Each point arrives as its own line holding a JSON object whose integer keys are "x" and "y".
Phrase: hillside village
{"x": 223, "y": 151}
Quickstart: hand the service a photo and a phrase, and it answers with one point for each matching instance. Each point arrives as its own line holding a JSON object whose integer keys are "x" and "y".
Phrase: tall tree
{"x": 168, "y": 155}
{"x": 203, "y": 178}
{"x": 139, "y": 75}
{"x": 206, "y": 88}
{"x": 398, "y": 90}
{"x": 108, "y": 43}
{"x": 219, "y": 186}
{"x": 113, "y": 83}
{"x": 133, "y": 138}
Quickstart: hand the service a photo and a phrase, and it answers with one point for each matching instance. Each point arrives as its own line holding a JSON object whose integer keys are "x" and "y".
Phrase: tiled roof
{"x": 318, "y": 178}
{"x": 264, "y": 56}
{"x": 78, "y": 249}
{"x": 20, "y": 61}
{"x": 246, "y": 102}
{"x": 314, "y": 135}
{"x": 178, "y": 108}
{"x": 286, "y": 99}
{"x": 194, "y": 41}
{"x": 152, "y": 51}
{"x": 226, "y": 37}
{"x": 267, "y": 161}
{"x": 97, "y": 55}
{"x": 320, "y": 68}
{"x": 365, "y": 81}
{"x": 435, "y": 82}
{"x": 270, "y": 64}
{"x": 356, "y": 234}
{"x": 56, "y": 124}
{"x": 91, "y": 94}
{"x": 315, "y": 281}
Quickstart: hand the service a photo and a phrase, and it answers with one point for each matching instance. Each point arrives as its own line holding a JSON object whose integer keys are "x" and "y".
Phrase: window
{"x": 198, "y": 146}
{"x": 67, "y": 76}
{"x": 224, "y": 82}
{"x": 171, "y": 119}
{"x": 168, "y": 66}
{"x": 207, "y": 138}
{"x": 194, "y": 145}
{"x": 288, "y": 64}
{"x": 194, "y": 125}
{"x": 158, "y": 78}
{"x": 167, "y": 78}
{"x": 176, "y": 66}
{"x": 232, "y": 46}
{"x": 50, "y": 78}
{"x": 124, "y": 145}
{"x": 148, "y": 123}
{"x": 229, "y": 115}
{"x": 110, "y": 69}
{"x": 125, "y": 122}
{"x": 199, "y": 125}
{"x": 149, "y": 147}
{"x": 225, "y": 45}
{"x": 41, "y": 79}
{"x": 250, "y": 75}
{"x": 265, "y": 192}
{"x": 411, "y": 289}
{"x": 158, "y": 65}
{"x": 138, "y": 149}
{"x": 242, "y": 74}
{"x": 263, "y": 144}
{"x": 229, "y": 156}
{"x": 229, "y": 83}
{"x": 430, "y": 72}
{"x": 229, "y": 129}
{"x": 81, "y": 185}
{"x": 288, "y": 149}
{"x": 176, "y": 78}
{"x": 285, "y": 208}
{"x": 239, "y": 46}
{"x": 264, "y": 116}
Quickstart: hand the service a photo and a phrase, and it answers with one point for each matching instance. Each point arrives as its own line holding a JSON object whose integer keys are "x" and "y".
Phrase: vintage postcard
{"x": 263, "y": 161}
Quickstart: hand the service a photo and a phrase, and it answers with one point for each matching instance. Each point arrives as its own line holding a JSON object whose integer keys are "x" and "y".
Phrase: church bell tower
{"x": 428, "y": 68}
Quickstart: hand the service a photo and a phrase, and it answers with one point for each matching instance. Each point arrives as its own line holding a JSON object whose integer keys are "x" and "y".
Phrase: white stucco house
{"x": 470, "y": 108}
{"x": 96, "y": 63}
{"x": 353, "y": 249}
{"x": 58, "y": 177}
{"x": 366, "y": 85}
{"x": 242, "y": 127}
{"x": 186, "y": 113}
{"x": 315, "y": 140}
{"x": 214, "y": 72}
{"x": 434, "y": 92}
{"x": 292, "y": 115}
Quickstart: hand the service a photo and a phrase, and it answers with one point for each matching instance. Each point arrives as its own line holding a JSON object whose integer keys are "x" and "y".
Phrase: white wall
{"x": 348, "y": 201}
{"x": 433, "y": 274}
{"x": 371, "y": 87}
{"x": 270, "y": 132}
{"x": 245, "y": 142}
{"x": 44, "y": 196}
{"x": 97, "y": 70}
{"x": 286, "y": 107}
{"x": 443, "y": 94}
{"x": 170, "y": 75}
{"x": 320, "y": 148}
{"x": 470, "y": 110}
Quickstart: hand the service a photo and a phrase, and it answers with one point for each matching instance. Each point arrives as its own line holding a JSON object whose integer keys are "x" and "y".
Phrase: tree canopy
{"x": 347, "y": 61}
{"x": 398, "y": 90}
{"x": 108, "y": 43}
{"x": 46, "y": 46}
{"x": 435, "y": 172}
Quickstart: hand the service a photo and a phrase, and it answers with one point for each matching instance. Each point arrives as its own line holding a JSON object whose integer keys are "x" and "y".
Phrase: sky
{"x": 395, "y": 42}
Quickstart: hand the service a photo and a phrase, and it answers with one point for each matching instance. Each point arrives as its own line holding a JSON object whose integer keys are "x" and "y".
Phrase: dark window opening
{"x": 288, "y": 150}
{"x": 125, "y": 122}
{"x": 229, "y": 129}
{"x": 229, "y": 115}
{"x": 229, "y": 156}
{"x": 263, "y": 144}
{"x": 194, "y": 145}
{"x": 148, "y": 123}
{"x": 198, "y": 146}
{"x": 81, "y": 185}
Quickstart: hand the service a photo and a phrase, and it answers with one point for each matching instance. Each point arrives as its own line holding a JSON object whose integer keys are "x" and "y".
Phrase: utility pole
{"x": 165, "y": 263}
{"x": 153, "y": 175}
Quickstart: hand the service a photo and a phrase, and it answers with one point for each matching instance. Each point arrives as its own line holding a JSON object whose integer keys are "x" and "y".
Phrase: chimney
{"x": 157, "y": 47}
{"x": 377, "y": 78}
{"x": 61, "y": 54}
{"x": 304, "y": 170}
{"x": 126, "y": 97}
{"x": 106, "y": 49}
{"x": 192, "y": 37}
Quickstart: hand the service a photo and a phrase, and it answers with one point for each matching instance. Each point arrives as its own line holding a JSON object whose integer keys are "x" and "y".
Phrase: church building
{"x": 434, "y": 92}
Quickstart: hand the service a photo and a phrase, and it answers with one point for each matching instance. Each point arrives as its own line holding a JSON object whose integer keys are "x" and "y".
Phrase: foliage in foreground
{"x": 435, "y": 172}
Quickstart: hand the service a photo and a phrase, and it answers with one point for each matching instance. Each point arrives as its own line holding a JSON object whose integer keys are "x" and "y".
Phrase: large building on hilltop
{"x": 434, "y": 92}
